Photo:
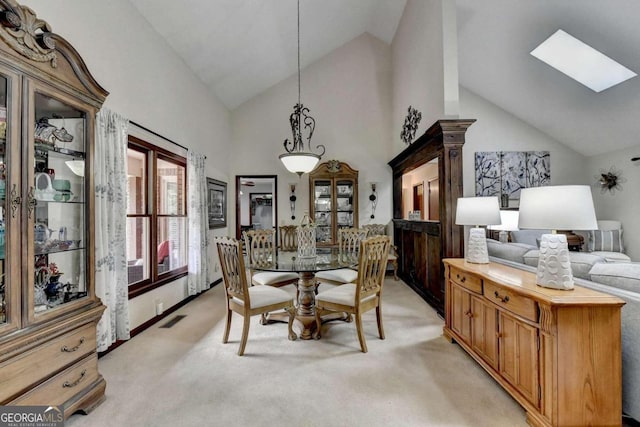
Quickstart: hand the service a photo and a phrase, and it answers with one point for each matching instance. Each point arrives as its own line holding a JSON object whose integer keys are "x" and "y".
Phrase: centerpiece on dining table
{"x": 306, "y": 233}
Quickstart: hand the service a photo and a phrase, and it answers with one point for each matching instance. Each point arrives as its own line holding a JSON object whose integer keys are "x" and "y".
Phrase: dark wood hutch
{"x": 423, "y": 244}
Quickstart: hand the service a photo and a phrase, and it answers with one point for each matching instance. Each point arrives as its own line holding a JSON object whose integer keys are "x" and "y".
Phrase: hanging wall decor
{"x": 410, "y": 126}
{"x": 610, "y": 180}
{"x": 292, "y": 200}
{"x": 505, "y": 173}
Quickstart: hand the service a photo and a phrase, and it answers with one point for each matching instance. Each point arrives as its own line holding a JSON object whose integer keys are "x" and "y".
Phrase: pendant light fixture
{"x": 296, "y": 159}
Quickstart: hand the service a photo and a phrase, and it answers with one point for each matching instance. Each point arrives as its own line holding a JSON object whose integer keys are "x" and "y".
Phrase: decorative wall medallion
{"x": 333, "y": 166}
{"x": 26, "y": 34}
{"x": 410, "y": 126}
{"x": 610, "y": 180}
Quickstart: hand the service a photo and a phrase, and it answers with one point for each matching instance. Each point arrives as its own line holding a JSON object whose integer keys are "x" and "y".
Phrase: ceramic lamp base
{"x": 554, "y": 264}
{"x": 477, "y": 252}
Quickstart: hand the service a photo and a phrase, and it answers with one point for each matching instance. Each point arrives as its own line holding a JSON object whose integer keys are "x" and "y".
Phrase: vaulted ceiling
{"x": 240, "y": 48}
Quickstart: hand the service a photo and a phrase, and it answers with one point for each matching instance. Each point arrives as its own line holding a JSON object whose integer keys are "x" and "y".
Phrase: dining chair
{"x": 349, "y": 240}
{"x": 261, "y": 250}
{"x": 362, "y": 295}
{"x": 247, "y": 300}
{"x": 288, "y": 238}
{"x": 380, "y": 230}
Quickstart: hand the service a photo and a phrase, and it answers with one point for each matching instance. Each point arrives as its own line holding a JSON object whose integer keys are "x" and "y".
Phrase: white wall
{"x": 417, "y": 61}
{"x": 149, "y": 84}
{"x": 499, "y": 130}
{"x": 623, "y": 205}
{"x": 348, "y": 93}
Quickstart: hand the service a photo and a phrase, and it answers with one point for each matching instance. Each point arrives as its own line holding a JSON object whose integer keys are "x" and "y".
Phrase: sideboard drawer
{"x": 63, "y": 386}
{"x": 511, "y": 301}
{"x": 32, "y": 367}
{"x": 466, "y": 280}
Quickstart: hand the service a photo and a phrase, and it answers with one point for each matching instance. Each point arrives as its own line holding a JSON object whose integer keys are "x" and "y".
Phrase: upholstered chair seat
{"x": 247, "y": 300}
{"x": 363, "y": 295}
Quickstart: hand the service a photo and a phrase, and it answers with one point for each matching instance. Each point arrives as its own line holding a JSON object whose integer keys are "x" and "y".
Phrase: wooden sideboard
{"x": 558, "y": 353}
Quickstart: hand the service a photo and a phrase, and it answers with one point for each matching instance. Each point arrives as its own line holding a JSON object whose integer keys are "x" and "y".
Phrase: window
{"x": 156, "y": 216}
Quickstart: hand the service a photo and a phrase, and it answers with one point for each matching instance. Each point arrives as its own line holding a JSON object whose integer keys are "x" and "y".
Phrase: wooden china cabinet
{"x": 49, "y": 310}
{"x": 333, "y": 200}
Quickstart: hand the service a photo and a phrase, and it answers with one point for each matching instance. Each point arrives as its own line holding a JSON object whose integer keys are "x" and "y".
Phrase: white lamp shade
{"x": 478, "y": 211}
{"x": 560, "y": 207}
{"x": 299, "y": 162}
{"x": 509, "y": 221}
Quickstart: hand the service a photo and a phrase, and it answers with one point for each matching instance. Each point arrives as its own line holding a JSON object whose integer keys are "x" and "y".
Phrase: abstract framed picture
{"x": 216, "y": 203}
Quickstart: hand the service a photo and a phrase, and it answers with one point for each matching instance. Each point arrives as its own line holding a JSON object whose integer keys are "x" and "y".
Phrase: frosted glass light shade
{"x": 561, "y": 207}
{"x": 299, "y": 162}
{"x": 478, "y": 211}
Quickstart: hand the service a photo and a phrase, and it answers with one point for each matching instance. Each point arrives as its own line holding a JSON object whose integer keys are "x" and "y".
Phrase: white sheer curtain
{"x": 198, "y": 226}
{"x": 110, "y": 172}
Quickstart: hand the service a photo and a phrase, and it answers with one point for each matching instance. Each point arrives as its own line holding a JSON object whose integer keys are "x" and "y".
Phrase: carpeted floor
{"x": 185, "y": 376}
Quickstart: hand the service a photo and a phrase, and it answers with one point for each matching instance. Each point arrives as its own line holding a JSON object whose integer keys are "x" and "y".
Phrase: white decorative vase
{"x": 477, "y": 252}
{"x": 554, "y": 264}
{"x": 306, "y": 233}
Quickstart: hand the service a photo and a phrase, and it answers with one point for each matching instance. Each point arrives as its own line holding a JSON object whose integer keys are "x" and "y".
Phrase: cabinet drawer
{"x": 466, "y": 280}
{"x": 63, "y": 386}
{"x": 511, "y": 301}
{"x": 40, "y": 362}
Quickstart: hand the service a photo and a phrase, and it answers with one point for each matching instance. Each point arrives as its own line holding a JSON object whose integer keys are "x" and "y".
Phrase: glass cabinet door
{"x": 344, "y": 203}
{"x": 57, "y": 203}
{"x": 323, "y": 197}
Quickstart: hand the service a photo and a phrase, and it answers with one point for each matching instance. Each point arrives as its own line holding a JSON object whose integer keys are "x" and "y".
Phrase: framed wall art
{"x": 216, "y": 203}
{"x": 505, "y": 173}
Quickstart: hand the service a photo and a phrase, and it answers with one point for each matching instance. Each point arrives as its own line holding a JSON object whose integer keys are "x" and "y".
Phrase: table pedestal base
{"x": 305, "y": 321}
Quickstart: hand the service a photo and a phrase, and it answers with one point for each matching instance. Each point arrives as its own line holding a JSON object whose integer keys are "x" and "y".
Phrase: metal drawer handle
{"x": 463, "y": 279}
{"x": 67, "y": 384}
{"x": 504, "y": 299}
{"x": 71, "y": 350}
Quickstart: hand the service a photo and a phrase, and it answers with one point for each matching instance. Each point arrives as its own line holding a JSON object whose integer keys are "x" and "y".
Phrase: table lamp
{"x": 477, "y": 211}
{"x": 561, "y": 207}
{"x": 509, "y": 222}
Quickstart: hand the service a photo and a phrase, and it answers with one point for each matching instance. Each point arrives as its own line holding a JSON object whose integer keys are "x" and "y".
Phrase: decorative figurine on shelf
{"x": 54, "y": 280}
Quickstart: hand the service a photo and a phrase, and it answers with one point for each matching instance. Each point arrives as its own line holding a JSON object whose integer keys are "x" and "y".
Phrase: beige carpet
{"x": 185, "y": 376}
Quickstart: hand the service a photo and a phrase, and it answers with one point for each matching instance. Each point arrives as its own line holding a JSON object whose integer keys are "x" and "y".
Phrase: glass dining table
{"x": 326, "y": 259}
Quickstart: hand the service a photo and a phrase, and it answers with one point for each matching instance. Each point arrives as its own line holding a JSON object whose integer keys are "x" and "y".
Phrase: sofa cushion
{"x": 618, "y": 275}
{"x": 510, "y": 251}
{"x": 527, "y": 236}
{"x": 612, "y": 256}
{"x": 581, "y": 263}
{"x": 605, "y": 240}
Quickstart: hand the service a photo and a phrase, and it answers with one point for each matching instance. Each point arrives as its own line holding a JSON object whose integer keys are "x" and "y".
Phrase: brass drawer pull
{"x": 463, "y": 279}
{"x": 67, "y": 384}
{"x": 71, "y": 350}
{"x": 504, "y": 299}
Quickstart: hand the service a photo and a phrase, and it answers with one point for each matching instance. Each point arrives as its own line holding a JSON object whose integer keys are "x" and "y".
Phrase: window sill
{"x": 143, "y": 287}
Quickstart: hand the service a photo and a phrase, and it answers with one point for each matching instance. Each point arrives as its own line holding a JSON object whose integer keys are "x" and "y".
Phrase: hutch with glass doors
{"x": 333, "y": 200}
{"x": 48, "y": 306}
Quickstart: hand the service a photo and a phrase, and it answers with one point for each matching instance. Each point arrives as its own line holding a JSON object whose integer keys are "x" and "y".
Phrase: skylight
{"x": 581, "y": 62}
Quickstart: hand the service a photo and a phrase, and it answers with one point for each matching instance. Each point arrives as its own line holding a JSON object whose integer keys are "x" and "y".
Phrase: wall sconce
{"x": 374, "y": 200}
{"x": 292, "y": 200}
